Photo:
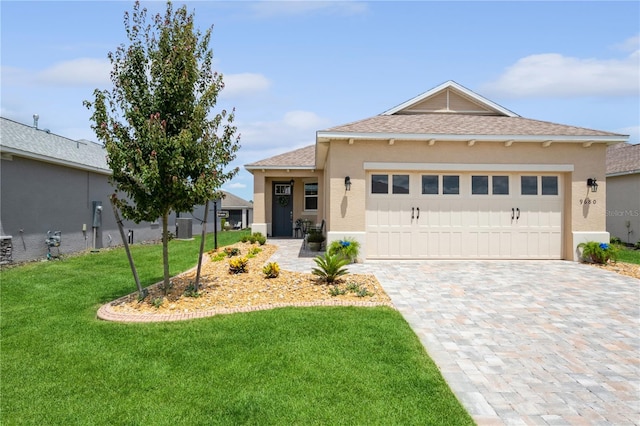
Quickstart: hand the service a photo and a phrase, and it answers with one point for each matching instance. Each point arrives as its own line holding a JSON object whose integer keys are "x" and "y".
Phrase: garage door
{"x": 464, "y": 215}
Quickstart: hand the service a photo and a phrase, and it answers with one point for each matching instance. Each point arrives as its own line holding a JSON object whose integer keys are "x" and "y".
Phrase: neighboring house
{"x": 52, "y": 183}
{"x": 623, "y": 192}
{"x": 240, "y": 211}
{"x": 447, "y": 174}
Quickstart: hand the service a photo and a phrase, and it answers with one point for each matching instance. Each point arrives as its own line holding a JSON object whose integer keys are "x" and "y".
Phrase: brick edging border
{"x": 107, "y": 314}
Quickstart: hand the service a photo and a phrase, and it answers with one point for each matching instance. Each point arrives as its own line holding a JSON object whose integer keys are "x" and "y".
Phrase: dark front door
{"x": 282, "y": 210}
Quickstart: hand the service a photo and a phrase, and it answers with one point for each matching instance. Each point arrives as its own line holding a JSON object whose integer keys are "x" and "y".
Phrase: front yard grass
{"x": 323, "y": 365}
{"x": 629, "y": 255}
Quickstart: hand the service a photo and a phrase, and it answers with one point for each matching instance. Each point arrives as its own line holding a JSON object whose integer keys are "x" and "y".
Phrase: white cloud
{"x": 236, "y": 185}
{"x": 552, "y": 74}
{"x": 304, "y": 120}
{"x": 77, "y": 72}
{"x": 629, "y": 45}
{"x": 244, "y": 84}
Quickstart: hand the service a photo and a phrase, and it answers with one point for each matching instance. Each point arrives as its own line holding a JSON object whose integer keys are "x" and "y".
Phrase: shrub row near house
{"x": 256, "y": 237}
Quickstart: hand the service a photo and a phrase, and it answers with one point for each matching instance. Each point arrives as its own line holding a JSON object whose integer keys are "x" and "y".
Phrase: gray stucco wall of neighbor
{"x": 37, "y": 197}
{"x": 623, "y": 207}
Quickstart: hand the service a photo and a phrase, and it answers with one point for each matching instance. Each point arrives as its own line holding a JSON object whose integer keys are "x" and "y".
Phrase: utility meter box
{"x": 97, "y": 214}
{"x": 184, "y": 228}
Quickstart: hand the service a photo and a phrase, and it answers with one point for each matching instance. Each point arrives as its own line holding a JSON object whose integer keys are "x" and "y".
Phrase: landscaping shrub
{"x": 238, "y": 265}
{"x": 595, "y": 252}
{"x": 271, "y": 270}
{"x": 232, "y": 251}
{"x": 330, "y": 267}
{"x": 348, "y": 248}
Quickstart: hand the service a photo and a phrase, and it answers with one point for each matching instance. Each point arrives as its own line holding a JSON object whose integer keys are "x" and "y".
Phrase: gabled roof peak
{"x": 450, "y": 98}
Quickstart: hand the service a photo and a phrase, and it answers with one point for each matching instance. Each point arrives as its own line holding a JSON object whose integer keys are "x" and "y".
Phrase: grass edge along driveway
{"x": 321, "y": 365}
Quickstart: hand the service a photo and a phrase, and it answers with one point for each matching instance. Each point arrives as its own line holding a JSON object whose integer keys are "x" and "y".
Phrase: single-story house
{"x": 448, "y": 174}
{"x": 52, "y": 183}
{"x": 623, "y": 192}
{"x": 240, "y": 212}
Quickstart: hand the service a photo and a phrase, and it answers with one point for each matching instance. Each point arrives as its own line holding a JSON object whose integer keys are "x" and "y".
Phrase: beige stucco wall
{"x": 623, "y": 207}
{"x": 347, "y": 208}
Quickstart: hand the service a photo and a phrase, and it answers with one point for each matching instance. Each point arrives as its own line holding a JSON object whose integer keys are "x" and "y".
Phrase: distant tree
{"x": 166, "y": 149}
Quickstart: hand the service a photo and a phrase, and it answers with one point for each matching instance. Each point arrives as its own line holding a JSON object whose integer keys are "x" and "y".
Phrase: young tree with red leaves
{"x": 167, "y": 150}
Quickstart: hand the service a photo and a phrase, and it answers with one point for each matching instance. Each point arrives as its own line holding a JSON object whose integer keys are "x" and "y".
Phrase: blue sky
{"x": 292, "y": 68}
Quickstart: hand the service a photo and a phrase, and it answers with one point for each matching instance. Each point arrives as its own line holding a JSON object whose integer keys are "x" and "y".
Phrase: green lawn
{"x": 629, "y": 255}
{"x": 332, "y": 365}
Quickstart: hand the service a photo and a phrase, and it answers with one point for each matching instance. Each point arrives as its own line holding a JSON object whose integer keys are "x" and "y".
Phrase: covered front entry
{"x": 282, "y": 210}
{"x": 464, "y": 215}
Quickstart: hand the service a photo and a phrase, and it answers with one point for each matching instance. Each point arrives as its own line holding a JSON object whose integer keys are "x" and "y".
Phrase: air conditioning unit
{"x": 184, "y": 228}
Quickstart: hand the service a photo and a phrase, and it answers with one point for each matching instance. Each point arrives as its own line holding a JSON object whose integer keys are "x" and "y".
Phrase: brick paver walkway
{"x": 520, "y": 342}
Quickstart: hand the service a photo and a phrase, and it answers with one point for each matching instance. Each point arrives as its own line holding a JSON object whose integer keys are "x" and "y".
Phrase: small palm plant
{"x": 330, "y": 267}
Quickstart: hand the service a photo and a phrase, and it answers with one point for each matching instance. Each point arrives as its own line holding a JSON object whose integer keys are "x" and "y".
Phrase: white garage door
{"x": 464, "y": 215}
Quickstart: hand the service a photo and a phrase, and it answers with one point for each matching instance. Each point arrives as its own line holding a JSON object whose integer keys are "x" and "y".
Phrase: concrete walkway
{"x": 519, "y": 342}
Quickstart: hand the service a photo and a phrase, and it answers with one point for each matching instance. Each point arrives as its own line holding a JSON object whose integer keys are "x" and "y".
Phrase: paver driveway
{"x": 521, "y": 342}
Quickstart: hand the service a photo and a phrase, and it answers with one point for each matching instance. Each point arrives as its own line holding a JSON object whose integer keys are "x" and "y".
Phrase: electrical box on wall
{"x": 97, "y": 214}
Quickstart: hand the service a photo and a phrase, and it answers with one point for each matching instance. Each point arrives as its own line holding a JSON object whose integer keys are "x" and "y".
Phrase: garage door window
{"x": 400, "y": 184}
{"x": 451, "y": 185}
{"x": 500, "y": 185}
{"x": 479, "y": 185}
{"x": 529, "y": 185}
{"x": 379, "y": 184}
{"x": 549, "y": 185}
{"x": 429, "y": 184}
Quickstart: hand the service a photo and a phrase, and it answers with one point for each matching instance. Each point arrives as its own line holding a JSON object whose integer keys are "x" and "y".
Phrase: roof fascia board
{"x": 326, "y": 136}
{"x": 258, "y": 167}
{"x": 456, "y": 86}
{"x": 625, "y": 173}
{"x": 51, "y": 160}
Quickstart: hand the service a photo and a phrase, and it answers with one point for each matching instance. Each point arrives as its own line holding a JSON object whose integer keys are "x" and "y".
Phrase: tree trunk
{"x": 165, "y": 251}
{"x": 141, "y": 292}
{"x": 196, "y": 285}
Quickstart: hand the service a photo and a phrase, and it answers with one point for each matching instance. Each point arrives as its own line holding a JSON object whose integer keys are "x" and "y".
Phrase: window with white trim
{"x": 311, "y": 196}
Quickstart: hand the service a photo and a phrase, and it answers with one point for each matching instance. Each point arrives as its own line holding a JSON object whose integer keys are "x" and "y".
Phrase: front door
{"x": 282, "y": 210}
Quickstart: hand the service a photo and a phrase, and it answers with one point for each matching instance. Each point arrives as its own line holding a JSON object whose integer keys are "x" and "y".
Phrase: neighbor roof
{"x": 230, "y": 201}
{"x": 623, "y": 158}
{"x": 302, "y": 158}
{"x": 28, "y": 142}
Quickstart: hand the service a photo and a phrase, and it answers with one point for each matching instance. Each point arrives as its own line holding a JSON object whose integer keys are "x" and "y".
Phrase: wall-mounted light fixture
{"x": 593, "y": 184}
{"x": 347, "y": 183}
{"x": 291, "y": 183}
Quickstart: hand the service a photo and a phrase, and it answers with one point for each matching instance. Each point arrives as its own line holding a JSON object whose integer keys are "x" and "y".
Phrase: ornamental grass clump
{"x": 595, "y": 252}
{"x": 348, "y": 248}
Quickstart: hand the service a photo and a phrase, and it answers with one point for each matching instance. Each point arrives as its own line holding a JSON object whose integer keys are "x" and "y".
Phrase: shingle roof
{"x": 231, "y": 201}
{"x": 301, "y": 158}
{"x": 623, "y": 158}
{"x": 463, "y": 124}
{"x": 27, "y": 141}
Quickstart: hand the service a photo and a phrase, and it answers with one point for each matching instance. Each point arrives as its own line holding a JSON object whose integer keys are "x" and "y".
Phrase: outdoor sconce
{"x": 593, "y": 184}
{"x": 347, "y": 183}
{"x": 291, "y": 183}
